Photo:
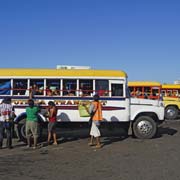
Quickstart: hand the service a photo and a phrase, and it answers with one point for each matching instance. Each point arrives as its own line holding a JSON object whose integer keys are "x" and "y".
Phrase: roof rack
{"x": 72, "y": 67}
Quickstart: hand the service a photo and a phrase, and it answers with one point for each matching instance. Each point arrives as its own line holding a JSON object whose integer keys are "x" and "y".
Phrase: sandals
{"x": 98, "y": 146}
{"x": 90, "y": 144}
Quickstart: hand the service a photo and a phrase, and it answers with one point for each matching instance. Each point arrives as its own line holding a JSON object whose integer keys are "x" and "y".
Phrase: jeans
{"x": 7, "y": 127}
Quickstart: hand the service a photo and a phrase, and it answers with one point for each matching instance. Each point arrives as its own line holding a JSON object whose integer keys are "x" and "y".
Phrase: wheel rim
{"x": 170, "y": 112}
{"x": 144, "y": 127}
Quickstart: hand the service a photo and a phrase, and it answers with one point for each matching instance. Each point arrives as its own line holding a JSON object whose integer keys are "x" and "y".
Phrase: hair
{"x": 96, "y": 97}
{"x": 51, "y": 103}
{"x": 31, "y": 102}
{"x": 6, "y": 100}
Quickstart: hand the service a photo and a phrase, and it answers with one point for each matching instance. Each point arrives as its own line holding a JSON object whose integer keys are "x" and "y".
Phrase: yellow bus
{"x": 145, "y": 89}
{"x": 170, "y": 93}
{"x": 171, "y": 98}
{"x": 70, "y": 88}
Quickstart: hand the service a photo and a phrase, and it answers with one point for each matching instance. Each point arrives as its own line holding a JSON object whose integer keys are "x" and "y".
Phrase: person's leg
{"x": 54, "y": 133}
{"x": 28, "y": 133}
{"x": 49, "y": 133}
{"x": 34, "y": 129}
{"x": 91, "y": 141}
{"x": 49, "y": 138}
{"x": 98, "y": 142}
{"x": 92, "y": 134}
{"x": 54, "y": 138}
{"x": 9, "y": 135}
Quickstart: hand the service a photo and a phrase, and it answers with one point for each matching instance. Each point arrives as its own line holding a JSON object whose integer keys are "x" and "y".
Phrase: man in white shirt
{"x": 6, "y": 115}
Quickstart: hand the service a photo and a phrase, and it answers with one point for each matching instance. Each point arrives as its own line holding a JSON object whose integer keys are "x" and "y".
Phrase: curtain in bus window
{"x": 5, "y": 88}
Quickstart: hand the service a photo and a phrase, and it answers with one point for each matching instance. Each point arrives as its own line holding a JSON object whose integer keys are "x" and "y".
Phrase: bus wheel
{"x": 22, "y": 133}
{"x": 144, "y": 127}
{"x": 171, "y": 112}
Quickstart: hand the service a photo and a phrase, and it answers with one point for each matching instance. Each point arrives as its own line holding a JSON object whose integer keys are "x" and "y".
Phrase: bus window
{"x": 19, "y": 86}
{"x": 5, "y": 86}
{"x": 53, "y": 87}
{"x": 131, "y": 91}
{"x": 117, "y": 89}
{"x": 169, "y": 93}
{"x": 69, "y": 87}
{"x": 102, "y": 87}
{"x": 85, "y": 87}
{"x": 138, "y": 91}
{"x": 37, "y": 86}
{"x": 155, "y": 93}
{"x": 147, "y": 92}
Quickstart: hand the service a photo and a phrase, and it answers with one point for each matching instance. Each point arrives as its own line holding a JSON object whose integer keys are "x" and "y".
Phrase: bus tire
{"x": 171, "y": 112}
{"x": 144, "y": 127}
{"x": 22, "y": 131}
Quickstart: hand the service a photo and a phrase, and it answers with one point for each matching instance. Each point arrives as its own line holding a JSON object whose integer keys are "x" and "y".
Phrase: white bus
{"x": 68, "y": 88}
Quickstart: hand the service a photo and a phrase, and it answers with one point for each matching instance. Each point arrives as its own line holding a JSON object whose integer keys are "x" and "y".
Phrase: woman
{"x": 96, "y": 110}
{"x": 52, "y": 113}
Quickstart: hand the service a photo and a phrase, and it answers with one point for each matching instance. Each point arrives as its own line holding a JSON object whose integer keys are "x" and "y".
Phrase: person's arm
{"x": 52, "y": 111}
{"x": 91, "y": 108}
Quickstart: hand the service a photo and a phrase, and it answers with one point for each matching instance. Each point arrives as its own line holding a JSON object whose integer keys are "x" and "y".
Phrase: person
{"x": 52, "y": 113}
{"x": 32, "y": 123}
{"x": 95, "y": 109}
{"x": 6, "y": 121}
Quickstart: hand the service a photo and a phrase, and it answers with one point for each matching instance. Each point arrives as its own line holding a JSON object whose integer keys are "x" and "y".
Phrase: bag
{"x": 83, "y": 112}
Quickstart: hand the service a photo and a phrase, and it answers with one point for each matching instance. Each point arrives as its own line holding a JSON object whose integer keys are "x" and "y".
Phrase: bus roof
{"x": 170, "y": 86}
{"x": 11, "y": 72}
{"x": 143, "y": 83}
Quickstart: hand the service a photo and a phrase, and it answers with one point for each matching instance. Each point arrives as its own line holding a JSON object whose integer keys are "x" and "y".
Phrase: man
{"x": 32, "y": 123}
{"x": 6, "y": 121}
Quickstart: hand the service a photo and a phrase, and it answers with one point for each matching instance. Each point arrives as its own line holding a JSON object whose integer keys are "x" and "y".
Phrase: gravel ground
{"x": 119, "y": 159}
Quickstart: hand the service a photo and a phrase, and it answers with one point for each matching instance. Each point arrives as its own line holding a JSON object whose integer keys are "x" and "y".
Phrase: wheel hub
{"x": 144, "y": 127}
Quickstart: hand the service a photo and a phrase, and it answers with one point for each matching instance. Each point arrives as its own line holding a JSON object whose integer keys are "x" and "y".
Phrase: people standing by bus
{"x": 32, "y": 123}
{"x": 6, "y": 121}
{"x": 96, "y": 111}
{"x": 52, "y": 116}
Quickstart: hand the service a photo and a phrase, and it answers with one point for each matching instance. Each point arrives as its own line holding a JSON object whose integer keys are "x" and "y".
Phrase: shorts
{"x": 52, "y": 127}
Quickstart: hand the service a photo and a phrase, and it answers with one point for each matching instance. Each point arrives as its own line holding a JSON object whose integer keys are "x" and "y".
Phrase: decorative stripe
{"x": 75, "y": 107}
{"x": 64, "y": 98}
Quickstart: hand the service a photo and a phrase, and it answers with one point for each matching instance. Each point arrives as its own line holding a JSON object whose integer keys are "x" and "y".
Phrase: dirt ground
{"x": 119, "y": 159}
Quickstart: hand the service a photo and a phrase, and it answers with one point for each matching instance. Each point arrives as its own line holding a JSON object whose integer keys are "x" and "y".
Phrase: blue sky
{"x": 141, "y": 37}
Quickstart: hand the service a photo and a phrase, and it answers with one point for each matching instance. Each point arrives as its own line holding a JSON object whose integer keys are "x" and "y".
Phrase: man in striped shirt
{"x": 6, "y": 115}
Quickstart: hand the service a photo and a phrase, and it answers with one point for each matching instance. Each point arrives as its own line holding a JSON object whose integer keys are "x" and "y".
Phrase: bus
{"x": 70, "y": 88}
{"x": 145, "y": 89}
{"x": 171, "y": 98}
{"x": 169, "y": 93}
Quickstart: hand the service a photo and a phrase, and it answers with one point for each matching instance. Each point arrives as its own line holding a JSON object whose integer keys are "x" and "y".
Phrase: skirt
{"x": 95, "y": 130}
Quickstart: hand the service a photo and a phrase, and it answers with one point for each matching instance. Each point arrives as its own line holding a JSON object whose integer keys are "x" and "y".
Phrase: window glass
{"x": 117, "y": 89}
{"x": 53, "y": 87}
{"x": 5, "y": 86}
{"x": 19, "y": 86}
{"x": 85, "y": 87}
{"x": 102, "y": 87}
{"x": 37, "y": 86}
{"x": 69, "y": 87}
